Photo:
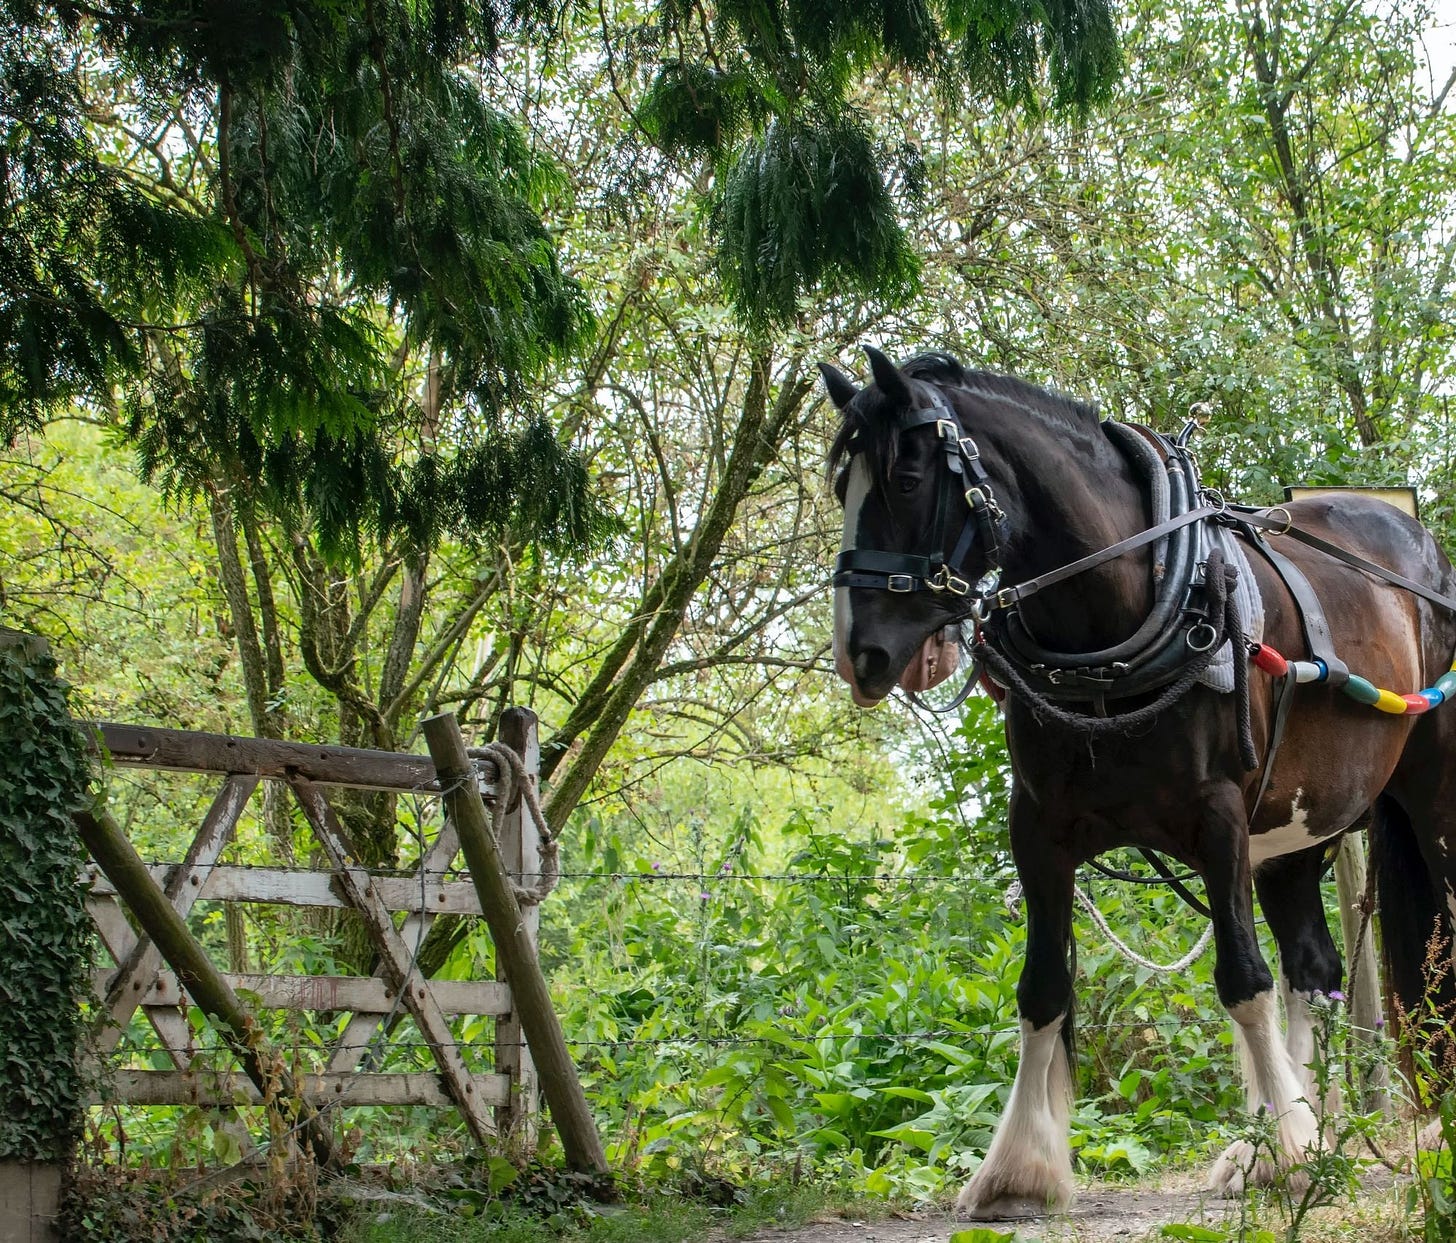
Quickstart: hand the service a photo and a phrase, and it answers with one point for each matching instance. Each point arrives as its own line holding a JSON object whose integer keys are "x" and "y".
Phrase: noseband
{"x": 938, "y": 566}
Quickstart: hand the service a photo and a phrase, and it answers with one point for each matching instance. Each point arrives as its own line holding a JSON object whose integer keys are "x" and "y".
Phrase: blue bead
{"x": 1434, "y": 697}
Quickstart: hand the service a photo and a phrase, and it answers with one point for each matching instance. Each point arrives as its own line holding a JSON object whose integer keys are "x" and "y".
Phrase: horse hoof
{"x": 1005, "y": 1208}
{"x": 1242, "y": 1167}
{"x": 1431, "y": 1138}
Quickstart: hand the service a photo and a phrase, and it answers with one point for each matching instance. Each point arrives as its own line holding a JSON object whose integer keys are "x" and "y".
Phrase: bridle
{"x": 938, "y": 566}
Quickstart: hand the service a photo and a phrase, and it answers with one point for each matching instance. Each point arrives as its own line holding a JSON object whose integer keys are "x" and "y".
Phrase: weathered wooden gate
{"x": 495, "y": 1104}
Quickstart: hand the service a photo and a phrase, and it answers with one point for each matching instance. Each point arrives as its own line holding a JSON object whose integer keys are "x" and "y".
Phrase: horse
{"x": 977, "y": 500}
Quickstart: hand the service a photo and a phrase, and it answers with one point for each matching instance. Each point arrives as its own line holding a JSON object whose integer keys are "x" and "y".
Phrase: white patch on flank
{"x": 1287, "y": 838}
{"x": 1274, "y": 1083}
{"x": 1029, "y": 1158}
{"x": 856, "y": 489}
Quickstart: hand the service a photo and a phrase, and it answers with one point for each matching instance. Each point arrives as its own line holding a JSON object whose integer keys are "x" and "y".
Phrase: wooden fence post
{"x": 519, "y": 845}
{"x": 1364, "y": 1001}
{"x": 513, "y": 949}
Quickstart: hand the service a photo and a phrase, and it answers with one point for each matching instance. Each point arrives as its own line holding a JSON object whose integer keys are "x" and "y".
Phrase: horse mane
{"x": 946, "y": 371}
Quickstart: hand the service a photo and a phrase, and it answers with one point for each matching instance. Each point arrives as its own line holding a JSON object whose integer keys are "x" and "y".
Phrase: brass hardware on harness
{"x": 982, "y": 498}
{"x": 900, "y": 582}
{"x": 946, "y": 581}
{"x": 1288, "y": 521}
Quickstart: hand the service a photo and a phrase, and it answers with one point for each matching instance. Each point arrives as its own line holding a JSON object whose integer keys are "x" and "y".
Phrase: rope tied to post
{"x": 512, "y": 783}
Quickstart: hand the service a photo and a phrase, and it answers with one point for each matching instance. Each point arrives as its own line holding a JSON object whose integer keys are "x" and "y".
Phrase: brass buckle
{"x": 983, "y": 498}
{"x": 944, "y": 580}
{"x": 948, "y": 429}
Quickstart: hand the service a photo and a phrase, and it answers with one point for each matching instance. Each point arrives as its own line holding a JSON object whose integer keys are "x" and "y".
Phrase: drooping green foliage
{"x": 43, "y": 922}
{"x": 765, "y": 91}
{"x": 86, "y": 255}
{"x": 295, "y": 243}
{"x": 806, "y": 205}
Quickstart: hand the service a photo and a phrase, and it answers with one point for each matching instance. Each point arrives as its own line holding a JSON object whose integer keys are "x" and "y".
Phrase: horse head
{"x": 906, "y": 565}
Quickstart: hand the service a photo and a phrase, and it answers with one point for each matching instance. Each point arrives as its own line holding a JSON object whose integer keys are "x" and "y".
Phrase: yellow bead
{"x": 1390, "y": 702}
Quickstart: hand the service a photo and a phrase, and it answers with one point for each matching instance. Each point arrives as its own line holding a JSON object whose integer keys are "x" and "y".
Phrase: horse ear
{"x": 888, "y": 377}
{"x": 840, "y": 387}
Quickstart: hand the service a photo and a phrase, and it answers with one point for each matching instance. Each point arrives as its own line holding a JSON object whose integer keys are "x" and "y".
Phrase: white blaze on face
{"x": 856, "y": 491}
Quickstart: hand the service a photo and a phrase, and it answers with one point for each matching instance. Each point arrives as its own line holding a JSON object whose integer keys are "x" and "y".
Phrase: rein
{"x": 1275, "y": 527}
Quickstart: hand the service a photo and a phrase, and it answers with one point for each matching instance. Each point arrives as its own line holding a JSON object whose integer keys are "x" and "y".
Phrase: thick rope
{"x": 1223, "y": 617}
{"x": 513, "y": 781}
{"x": 1013, "y": 899}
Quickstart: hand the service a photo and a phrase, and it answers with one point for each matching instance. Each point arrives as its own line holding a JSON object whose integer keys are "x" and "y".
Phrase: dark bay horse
{"x": 962, "y": 492}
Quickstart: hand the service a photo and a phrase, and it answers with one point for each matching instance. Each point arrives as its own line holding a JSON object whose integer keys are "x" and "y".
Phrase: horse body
{"x": 1179, "y": 787}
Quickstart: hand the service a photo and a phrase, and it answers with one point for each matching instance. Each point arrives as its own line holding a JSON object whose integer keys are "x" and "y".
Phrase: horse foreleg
{"x": 1273, "y": 1081}
{"x": 1028, "y": 1168}
{"x": 1309, "y": 964}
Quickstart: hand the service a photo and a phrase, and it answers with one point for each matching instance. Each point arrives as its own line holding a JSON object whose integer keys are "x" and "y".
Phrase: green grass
{"x": 666, "y": 1223}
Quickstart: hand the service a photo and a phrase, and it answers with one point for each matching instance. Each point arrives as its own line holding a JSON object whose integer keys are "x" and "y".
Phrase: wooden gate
{"x": 497, "y": 1103}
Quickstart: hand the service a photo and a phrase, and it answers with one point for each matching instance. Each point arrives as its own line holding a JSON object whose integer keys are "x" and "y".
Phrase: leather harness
{"x": 1157, "y": 661}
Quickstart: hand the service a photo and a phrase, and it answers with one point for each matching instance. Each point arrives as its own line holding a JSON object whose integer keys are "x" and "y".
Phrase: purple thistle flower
{"x": 657, "y": 867}
{"x": 1336, "y": 995}
{"x": 704, "y": 895}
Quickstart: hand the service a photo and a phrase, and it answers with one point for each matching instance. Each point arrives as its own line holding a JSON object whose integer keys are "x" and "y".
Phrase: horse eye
{"x": 907, "y": 483}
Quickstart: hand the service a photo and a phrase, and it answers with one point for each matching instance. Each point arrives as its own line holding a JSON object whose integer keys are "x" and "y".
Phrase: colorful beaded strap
{"x": 1358, "y": 689}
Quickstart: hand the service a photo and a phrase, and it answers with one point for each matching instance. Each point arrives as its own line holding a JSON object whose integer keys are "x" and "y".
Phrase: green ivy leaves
{"x": 44, "y": 927}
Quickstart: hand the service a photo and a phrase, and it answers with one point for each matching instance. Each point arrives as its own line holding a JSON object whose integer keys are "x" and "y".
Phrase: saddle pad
{"x": 1219, "y": 675}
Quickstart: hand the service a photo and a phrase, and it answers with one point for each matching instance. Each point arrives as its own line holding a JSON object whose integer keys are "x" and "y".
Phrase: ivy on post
{"x": 45, "y": 932}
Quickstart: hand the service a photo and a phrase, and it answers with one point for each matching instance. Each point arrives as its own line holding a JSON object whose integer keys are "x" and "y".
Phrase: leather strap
{"x": 1010, "y": 596}
{"x": 1276, "y": 736}
{"x": 1262, "y": 520}
{"x": 1317, "y": 635}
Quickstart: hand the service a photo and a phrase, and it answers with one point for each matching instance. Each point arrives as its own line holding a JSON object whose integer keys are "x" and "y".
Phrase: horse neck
{"x": 1073, "y": 495}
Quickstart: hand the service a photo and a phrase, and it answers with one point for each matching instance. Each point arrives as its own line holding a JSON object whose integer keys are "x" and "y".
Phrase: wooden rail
{"x": 161, "y": 967}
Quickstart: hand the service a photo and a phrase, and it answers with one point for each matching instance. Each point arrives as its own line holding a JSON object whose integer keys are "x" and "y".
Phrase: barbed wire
{"x": 824, "y": 876}
{"x": 1174, "y": 1022}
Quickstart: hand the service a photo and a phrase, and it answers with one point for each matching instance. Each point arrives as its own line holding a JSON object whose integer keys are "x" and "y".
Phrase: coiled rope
{"x": 512, "y": 783}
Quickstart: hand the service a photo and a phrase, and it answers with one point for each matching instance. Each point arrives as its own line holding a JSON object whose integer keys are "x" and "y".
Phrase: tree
{"x": 302, "y": 249}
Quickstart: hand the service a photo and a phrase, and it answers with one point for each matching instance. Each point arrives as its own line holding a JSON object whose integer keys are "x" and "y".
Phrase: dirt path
{"x": 1101, "y": 1214}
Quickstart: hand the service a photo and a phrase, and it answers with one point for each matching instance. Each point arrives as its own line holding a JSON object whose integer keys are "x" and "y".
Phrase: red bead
{"x": 1267, "y": 659}
{"x": 1416, "y": 703}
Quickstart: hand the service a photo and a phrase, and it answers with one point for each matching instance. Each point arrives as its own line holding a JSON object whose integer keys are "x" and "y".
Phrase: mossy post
{"x": 46, "y": 935}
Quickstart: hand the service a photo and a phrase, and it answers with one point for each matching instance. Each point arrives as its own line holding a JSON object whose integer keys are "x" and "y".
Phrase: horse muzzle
{"x": 870, "y": 671}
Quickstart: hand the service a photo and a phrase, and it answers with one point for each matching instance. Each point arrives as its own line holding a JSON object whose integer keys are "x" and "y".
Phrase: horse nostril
{"x": 870, "y": 665}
